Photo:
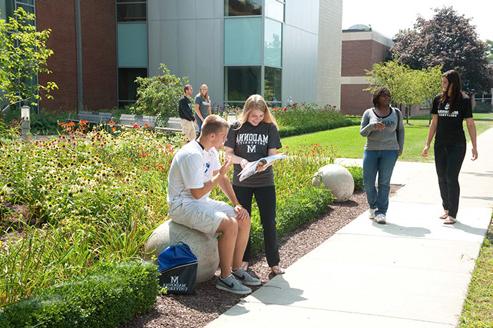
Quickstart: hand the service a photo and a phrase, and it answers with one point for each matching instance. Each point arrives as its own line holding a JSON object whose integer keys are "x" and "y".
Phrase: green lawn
{"x": 349, "y": 143}
{"x": 478, "y": 307}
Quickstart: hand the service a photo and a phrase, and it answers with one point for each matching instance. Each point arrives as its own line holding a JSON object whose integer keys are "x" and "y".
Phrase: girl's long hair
{"x": 453, "y": 94}
{"x": 256, "y": 102}
{"x": 206, "y": 96}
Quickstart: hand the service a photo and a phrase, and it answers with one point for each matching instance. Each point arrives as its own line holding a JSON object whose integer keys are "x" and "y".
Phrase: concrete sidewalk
{"x": 412, "y": 272}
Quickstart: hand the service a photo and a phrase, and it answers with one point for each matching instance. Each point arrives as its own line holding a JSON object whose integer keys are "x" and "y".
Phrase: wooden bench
{"x": 92, "y": 117}
{"x": 129, "y": 120}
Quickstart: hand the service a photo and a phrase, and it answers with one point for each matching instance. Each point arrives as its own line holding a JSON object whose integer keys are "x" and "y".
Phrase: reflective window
{"x": 241, "y": 82}
{"x": 27, "y": 5}
{"x": 273, "y": 85}
{"x": 274, "y": 9}
{"x": 273, "y": 43}
{"x": 132, "y": 44}
{"x": 131, "y": 10}
{"x": 3, "y": 9}
{"x": 242, "y": 7}
{"x": 243, "y": 41}
{"x": 127, "y": 88}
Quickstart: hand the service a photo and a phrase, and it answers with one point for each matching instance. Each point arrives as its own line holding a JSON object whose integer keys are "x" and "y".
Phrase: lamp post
{"x": 25, "y": 121}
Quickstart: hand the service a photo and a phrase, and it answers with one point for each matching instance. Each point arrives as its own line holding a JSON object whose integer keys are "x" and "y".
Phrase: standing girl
{"x": 384, "y": 131}
{"x": 448, "y": 112}
{"x": 253, "y": 137}
{"x": 202, "y": 105}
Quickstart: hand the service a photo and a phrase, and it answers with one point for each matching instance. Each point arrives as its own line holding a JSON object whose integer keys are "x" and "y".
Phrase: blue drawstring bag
{"x": 178, "y": 267}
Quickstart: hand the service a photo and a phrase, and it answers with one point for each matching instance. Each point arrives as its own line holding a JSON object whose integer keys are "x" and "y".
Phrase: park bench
{"x": 130, "y": 120}
{"x": 92, "y": 117}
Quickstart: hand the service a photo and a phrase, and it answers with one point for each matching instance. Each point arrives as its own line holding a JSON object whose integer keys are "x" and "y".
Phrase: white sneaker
{"x": 380, "y": 218}
{"x": 371, "y": 213}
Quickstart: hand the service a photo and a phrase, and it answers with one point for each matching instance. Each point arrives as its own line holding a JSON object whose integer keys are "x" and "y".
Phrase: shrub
{"x": 158, "y": 95}
{"x": 108, "y": 297}
{"x": 300, "y": 119}
{"x": 357, "y": 173}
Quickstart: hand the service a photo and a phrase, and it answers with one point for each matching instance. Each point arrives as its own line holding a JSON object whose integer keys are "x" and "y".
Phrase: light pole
{"x": 25, "y": 121}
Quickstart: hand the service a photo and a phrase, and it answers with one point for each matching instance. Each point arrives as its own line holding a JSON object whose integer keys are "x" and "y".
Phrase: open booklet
{"x": 253, "y": 167}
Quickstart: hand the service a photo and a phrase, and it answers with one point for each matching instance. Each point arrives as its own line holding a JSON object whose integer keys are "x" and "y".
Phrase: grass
{"x": 348, "y": 143}
{"x": 478, "y": 307}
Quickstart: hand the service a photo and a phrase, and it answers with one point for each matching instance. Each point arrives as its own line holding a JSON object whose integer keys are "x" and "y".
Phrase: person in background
{"x": 384, "y": 131}
{"x": 253, "y": 137}
{"x": 449, "y": 110}
{"x": 186, "y": 114}
{"x": 203, "y": 105}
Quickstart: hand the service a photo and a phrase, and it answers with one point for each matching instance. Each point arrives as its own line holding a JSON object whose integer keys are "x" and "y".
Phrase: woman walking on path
{"x": 253, "y": 137}
{"x": 202, "y": 105}
{"x": 448, "y": 112}
{"x": 384, "y": 131}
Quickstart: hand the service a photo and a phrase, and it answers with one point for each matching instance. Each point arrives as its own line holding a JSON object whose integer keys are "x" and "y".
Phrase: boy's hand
{"x": 241, "y": 213}
{"x": 225, "y": 167}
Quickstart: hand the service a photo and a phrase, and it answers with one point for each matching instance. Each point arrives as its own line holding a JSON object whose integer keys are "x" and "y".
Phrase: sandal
{"x": 276, "y": 270}
{"x": 444, "y": 216}
{"x": 449, "y": 220}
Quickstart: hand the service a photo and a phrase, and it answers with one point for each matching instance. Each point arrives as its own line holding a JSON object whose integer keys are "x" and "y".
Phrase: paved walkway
{"x": 412, "y": 272}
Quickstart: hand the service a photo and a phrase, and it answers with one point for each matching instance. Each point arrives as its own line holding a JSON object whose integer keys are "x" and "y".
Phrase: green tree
{"x": 448, "y": 39}
{"x": 408, "y": 87}
{"x": 23, "y": 55}
{"x": 159, "y": 95}
{"x": 489, "y": 51}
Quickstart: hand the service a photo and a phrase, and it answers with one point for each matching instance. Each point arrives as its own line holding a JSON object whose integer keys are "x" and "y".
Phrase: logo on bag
{"x": 175, "y": 285}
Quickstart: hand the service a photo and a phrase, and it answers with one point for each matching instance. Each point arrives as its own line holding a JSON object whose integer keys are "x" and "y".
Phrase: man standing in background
{"x": 186, "y": 114}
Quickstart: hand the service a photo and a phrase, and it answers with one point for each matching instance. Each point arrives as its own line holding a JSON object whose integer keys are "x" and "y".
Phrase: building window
{"x": 273, "y": 85}
{"x": 241, "y": 82}
{"x": 274, "y": 9}
{"x": 131, "y": 10}
{"x": 243, "y": 41}
{"x": 127, "y": 88}
{"x": 27, "y": 5}
{"x": 242, "y": 7}
{"x": 272, "y": 43}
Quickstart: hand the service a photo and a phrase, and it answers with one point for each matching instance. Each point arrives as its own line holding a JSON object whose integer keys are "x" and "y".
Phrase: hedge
{"x": 108, "y": 297}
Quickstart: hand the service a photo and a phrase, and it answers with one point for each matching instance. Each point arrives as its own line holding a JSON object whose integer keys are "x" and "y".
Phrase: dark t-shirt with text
{"x": 252, "y": 143}
{"x": 449, "y": 128}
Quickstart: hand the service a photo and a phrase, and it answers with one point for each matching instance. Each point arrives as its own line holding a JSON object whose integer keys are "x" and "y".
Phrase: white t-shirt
{"x": 191, "y": 167}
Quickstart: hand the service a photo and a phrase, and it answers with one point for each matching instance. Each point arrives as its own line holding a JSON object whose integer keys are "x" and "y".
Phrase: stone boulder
{"x": 202, "y": 245}
{"x": 337, "y": 179}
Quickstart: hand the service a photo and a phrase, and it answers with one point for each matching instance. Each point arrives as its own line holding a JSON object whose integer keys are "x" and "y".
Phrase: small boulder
{"x": 337, "y": 179}
{"x": 202, "y": 245}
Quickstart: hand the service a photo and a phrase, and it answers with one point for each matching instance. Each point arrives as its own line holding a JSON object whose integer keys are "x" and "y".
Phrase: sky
{"x": 389, "y": 16}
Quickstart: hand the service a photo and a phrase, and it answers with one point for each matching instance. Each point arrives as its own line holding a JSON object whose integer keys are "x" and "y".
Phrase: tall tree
{"x": 448, "y": 39}
{"x": 408, "y": 86}
{"x": 23, "y": 55}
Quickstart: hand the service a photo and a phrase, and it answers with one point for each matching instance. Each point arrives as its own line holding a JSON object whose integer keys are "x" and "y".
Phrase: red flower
{"x": 136, "y": 126}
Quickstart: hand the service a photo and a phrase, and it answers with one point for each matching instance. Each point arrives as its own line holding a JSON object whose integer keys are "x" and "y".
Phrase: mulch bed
{"x": 209, "y": 303}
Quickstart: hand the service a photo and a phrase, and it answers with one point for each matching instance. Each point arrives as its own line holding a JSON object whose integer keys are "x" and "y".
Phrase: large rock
{"x": 202, "y": 245}
{"x": 337, "y": 179}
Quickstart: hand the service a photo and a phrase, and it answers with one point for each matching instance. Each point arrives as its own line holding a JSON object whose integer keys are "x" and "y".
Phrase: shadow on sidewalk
{"x": 403, "y": 231}
{"x": 468, "y": 229}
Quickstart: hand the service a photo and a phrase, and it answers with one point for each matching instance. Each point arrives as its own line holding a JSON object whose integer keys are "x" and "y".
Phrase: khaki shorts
{"x": 202, "y": 215}
{"x": 188, "y": 129}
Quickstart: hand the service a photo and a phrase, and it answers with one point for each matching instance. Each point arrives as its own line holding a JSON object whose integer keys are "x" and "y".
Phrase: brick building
{"x": 361, "y": 48}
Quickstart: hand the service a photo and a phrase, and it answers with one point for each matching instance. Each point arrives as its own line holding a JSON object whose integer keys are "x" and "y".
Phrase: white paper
{"x": 251, "y": 168}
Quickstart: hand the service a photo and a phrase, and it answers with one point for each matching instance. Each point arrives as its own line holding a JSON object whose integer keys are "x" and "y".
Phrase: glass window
{"x": 273, "y": 43}
{"x": 241, "y": 82}
{"x": 243, "y": 41}
{"x": 127, "y": 88}
{"x": 3, "y": 9}
{"x": 132, "y": 44}
{"x": 274, "y": 9}
{"x": 27, "y": 5}
{"x": 273, "y": 85}
{"x": 242, "y": 7}
{"x": 131, "y": 10}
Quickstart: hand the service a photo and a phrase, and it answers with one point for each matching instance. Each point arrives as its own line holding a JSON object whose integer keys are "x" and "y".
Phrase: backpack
{"x": 178, "y": 267}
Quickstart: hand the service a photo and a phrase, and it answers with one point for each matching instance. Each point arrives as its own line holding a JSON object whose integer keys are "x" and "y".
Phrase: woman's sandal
{"x": 276, "y": 270}
{"x": 449, "y": 220}
{"x": 443, "y": 216}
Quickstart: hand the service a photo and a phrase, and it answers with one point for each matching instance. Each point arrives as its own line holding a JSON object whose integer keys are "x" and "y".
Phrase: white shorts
{"x": 202, "y": 215}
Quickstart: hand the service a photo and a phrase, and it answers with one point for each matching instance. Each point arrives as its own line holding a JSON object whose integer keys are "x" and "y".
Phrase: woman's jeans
{"x": 448, "y": 162}
{"x": 379, "y": 162}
